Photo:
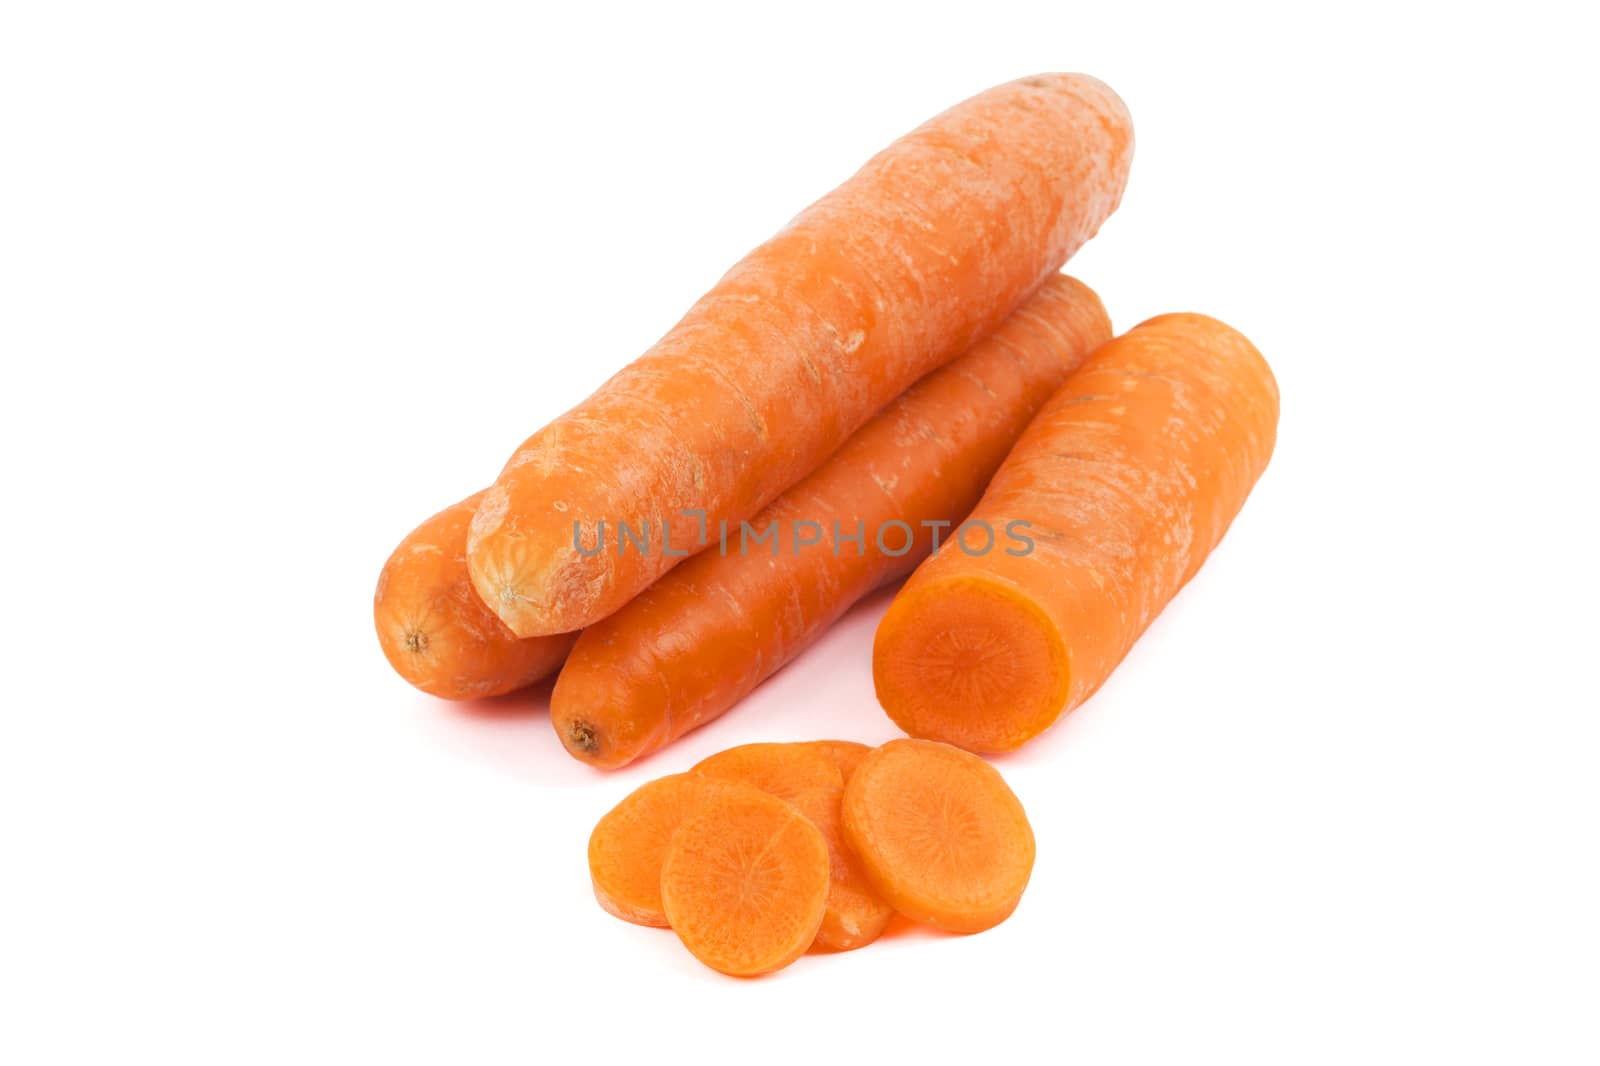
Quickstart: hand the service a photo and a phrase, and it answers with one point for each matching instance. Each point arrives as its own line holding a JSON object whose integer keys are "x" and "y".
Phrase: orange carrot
{"x": 1128, "y": 477}
{"x": 784, "y": 770}
{"x": 435, "y": 631}
{"x": 940, "y": 834}
{"x": 845, "y": 754}
{"x": 896, "y": 272}
{"x": 699, "y": 640}
{"x": 745, "y": 883}
{"x": 855, "y": 915}
{"x": 629, "y": 843}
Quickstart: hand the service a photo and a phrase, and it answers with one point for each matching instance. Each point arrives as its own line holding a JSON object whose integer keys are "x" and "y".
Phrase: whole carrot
{"x": 700, "y": 639}
{"x": 435, "y": 631}
{"x": 1127, "y": 479}
{"x": 896, "y": 272}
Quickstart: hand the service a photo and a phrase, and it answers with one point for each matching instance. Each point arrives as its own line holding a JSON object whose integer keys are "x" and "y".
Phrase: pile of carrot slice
{"x": 763, "y": 852}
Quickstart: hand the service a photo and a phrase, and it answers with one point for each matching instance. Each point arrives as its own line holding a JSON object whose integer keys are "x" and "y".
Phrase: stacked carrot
{"x": 903, "y": 372}
{"x": 903, "y": 268}
{"x": 893, "y": 274}
{"x": 765, "y": 851}
{"x": 689, "y": 647}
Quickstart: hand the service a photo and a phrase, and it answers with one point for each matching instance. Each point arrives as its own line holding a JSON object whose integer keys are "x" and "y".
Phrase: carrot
{"x": 1129, "y": 477}
{"x": 845, "y": 754}
{"x": 435, "y": 631}
{"x": 784, "y": 770}
{"x": 940, "y": 834}
{"x": 703, "y": 637}
{"x": 855, "y": 915}
{"x": 896, "y": 272}
{"x": 745, "y": 883}
{"x": 629, "y": 843}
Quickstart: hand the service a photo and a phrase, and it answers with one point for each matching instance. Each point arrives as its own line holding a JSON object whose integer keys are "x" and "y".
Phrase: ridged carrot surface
{"x": 1129, "y": 477}
{"x": 701, "y": 638}
{"x": 924, "y": 251}
{"x": 435, "y": 631}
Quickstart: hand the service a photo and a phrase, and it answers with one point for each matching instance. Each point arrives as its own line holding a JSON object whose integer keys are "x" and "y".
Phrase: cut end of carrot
{"x": 970, "y": 661}
{"x": 501, "y": 579}
{"x": 534, "y": 599}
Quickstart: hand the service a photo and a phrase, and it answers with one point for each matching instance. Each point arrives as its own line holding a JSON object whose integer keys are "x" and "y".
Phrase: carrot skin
{"x": 1128, "y": 477}
{"x": 895, "y": 273}
{"x": 435, "y": 631}
{"x": 704, "y": 636}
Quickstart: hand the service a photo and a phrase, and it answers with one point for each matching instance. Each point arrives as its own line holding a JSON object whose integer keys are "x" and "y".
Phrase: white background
{"x": 279, "y": 280}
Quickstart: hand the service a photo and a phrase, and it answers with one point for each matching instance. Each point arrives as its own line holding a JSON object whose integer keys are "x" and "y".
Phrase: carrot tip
{"x": 580, "y": 736}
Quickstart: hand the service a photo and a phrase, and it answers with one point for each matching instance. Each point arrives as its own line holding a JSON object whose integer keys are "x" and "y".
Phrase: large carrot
{"x": 1128, "y": 478}
{"x": 891, "y": 275}
{"x": 701, "y": 638}
{"x": 435, "y": 631}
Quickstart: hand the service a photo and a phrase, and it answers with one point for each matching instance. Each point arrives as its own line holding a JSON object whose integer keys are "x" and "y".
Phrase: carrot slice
{"x": 899, "y": 270}
{"x": 1127, "y": 479}
{"x": 855, "y": 914}
{"x": 745, "y": 883}
{"x": 630, "y": 842}
{"x": 941, "y": 835}
{"x": 783, "y": 770}
{"x": 691, "y": 646}
{"x": 435, "y": 631}
{"x": 845, "y": 754}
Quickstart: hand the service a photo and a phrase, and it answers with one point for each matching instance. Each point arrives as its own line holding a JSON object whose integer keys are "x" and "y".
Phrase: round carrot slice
{"x": 855, "y": 914}
{"x": 781, "y": 769}
{"x": 630, "y": 842}
{"x": 941, "y": 835}
{"x": 845, "y": 754}
{"x": 745, "y": 883}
